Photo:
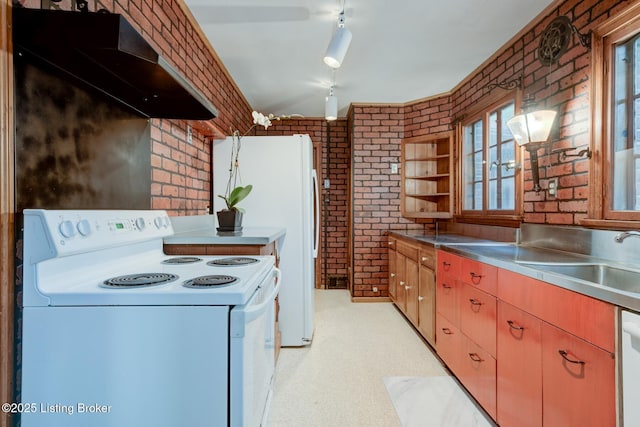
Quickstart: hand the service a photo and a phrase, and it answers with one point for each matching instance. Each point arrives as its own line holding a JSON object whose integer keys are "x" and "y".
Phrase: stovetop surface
{"x": 85, "y": 285}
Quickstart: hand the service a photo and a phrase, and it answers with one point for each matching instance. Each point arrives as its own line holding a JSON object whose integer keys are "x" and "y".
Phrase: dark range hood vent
{"x": 104, "y": 51}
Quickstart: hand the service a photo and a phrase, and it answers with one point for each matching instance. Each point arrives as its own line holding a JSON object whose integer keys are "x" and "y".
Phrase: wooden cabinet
{"x": 393, "y": 270}
{"x": 412, "y": 283}
{"x": 427, "y": 184}
{"x": 427, "y": 301}
{"x": 519, "y": 366}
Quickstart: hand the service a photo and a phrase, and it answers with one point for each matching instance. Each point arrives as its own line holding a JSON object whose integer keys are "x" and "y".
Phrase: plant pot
{"x": 229, "y": 220}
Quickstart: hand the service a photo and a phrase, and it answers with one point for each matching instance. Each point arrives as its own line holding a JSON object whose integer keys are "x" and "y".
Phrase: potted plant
{"x": 230, "y": 219}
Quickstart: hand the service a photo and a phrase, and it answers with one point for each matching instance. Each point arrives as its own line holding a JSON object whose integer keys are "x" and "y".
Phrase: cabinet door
{"x": 447, "y": 297}
{"x": 411, "y": 273}
{"x": 478, "y": 317}
{"x": 393, "y": 273}
{"x": 519, "y": 368}
{"x": 449, "y": 343}
{"x": 427, "y": 304}
{"x": 578, "y": 381}
{"x": 480, "y": 275}
{"x": 478, "y": 374}
{"x": 401, "y": 299}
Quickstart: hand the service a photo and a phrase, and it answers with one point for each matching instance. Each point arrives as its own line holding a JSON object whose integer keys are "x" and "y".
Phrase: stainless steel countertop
{"x": 527, "y": 260}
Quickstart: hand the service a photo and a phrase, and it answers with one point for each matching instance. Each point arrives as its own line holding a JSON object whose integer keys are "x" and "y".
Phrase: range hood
{"x": 105, "y": 52}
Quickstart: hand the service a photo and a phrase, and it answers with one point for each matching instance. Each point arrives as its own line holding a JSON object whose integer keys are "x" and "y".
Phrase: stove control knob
{"x": 167, "y": 222}
{"x": 140, "y": 223}
{"x": 67, "y": 229}
{"x": 84, "y": 227}
{"x": 157, "y": 221}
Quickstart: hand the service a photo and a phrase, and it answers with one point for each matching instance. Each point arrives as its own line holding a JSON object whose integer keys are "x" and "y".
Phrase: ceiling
{"x": 401, "y": 51}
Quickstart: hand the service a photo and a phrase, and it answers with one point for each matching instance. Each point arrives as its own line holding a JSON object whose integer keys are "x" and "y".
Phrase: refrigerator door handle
{"x": 317, "y": 216}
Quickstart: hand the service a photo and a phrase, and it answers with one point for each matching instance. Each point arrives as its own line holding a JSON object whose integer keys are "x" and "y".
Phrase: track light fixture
{"x": 331, "y": 106}
{"x": 339, "y": 44}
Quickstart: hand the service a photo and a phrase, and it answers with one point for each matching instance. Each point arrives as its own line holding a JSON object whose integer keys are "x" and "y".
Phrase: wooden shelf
{"x": 427, "y": 183}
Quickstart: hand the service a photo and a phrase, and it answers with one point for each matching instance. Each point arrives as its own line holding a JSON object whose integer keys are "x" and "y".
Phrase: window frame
{"x": 616, "y": 29}
{"x": 504, "y": 217}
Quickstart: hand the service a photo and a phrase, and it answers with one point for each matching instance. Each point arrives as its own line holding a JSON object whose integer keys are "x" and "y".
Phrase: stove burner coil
{"x": 233, "y": 261}
{"x": 142, "y": 279}
{"x": 182, "y": 260}
{"x": 215, "y": 280}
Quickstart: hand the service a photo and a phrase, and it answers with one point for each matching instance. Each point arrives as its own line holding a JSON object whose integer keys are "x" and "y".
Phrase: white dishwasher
{"x": 630, "y": 368}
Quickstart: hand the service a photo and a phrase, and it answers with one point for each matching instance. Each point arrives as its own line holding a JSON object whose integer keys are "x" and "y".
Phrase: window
{"x": 615, "y": 177}
{"x": 489, "y": 159}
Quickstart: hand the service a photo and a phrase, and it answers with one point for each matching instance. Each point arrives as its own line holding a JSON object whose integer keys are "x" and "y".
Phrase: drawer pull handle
{"x": 420, "y": 298}
{"x": 424, "y": 259}
{"x": 474, "y": 301}
{"x": 565, "y": 356}
{"x": 407, "y": 287}
{"x": 447, "y": 331}
{"x": 401, "y": 283}
{"x": 475, "y": 357}
{"x": 446, "y": 265}
{"x": 444, "y": 285}
{"x": 513, "y": 325}
{"x": 393, "y": 274}
{"x": 475, "y": 278}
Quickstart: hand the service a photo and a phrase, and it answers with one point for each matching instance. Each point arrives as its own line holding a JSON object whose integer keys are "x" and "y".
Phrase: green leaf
{"x": 237, "y": 195}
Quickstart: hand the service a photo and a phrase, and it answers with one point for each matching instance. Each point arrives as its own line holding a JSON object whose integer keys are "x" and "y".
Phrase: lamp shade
{"x": 534, "y": 126}
{"x": 338, "y": 47}
{"x": 331, "y": 108}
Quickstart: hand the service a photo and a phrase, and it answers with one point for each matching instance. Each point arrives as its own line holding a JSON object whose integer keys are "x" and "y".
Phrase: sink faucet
{"x": 621, "y": 236}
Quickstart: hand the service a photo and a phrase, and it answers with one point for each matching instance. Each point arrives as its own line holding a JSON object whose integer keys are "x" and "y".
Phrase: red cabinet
{"x": 478, "y": 317}
{"x": 578, "y": 381}
{"x": 448, "y": 267}
{"x": 478, "y": 374}
{"x": 519, "y": 366}
{"x": 450, "y": 342}
{"x": 531, "y": 353}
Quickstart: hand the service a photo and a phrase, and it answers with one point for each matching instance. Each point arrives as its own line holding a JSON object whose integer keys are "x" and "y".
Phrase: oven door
{"x": 252, "y": 354}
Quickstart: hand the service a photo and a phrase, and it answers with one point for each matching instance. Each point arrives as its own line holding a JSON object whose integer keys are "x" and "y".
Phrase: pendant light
{"x": 331, "y": 106}
{"x": 339, "y": 44}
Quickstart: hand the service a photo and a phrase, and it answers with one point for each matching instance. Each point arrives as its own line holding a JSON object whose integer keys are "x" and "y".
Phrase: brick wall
{"x": 375, "y": 133}
{"x": 563, "y": 86}
{"x": 335, "y": 152}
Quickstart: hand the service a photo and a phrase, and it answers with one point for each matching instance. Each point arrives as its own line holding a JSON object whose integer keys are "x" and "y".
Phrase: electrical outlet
{"x": 552, "y": 187}
{"x": 375, "y": 289}
{"x": 189, "y": 135}
{"x": 394, "y": 168}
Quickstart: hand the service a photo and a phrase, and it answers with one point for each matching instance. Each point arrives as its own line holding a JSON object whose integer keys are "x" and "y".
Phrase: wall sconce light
{"x": 339, "y": 44}
{"x": 331, "y": 106}
{"x": 531, "y": 129}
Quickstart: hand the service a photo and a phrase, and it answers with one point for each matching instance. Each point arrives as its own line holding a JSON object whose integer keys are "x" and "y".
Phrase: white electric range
{"x": 116, "y": 333}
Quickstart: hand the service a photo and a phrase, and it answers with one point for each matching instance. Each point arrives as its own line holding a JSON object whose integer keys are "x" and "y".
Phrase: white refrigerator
{"x": 285, "y": 194}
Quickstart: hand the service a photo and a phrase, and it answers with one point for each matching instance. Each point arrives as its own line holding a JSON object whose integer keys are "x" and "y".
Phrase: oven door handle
{"x": 240, "y": 317}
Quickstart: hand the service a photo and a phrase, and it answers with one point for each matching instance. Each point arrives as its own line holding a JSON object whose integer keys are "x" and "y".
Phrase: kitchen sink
{"x": 602, "y": 274}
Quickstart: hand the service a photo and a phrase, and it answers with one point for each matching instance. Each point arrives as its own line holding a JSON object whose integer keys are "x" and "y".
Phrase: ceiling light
{"x": 339, "y": 44}
{"x": 331, "y": 106}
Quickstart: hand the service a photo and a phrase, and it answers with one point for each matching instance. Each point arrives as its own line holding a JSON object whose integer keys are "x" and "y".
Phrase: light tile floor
{"x": 340, "y": 379}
